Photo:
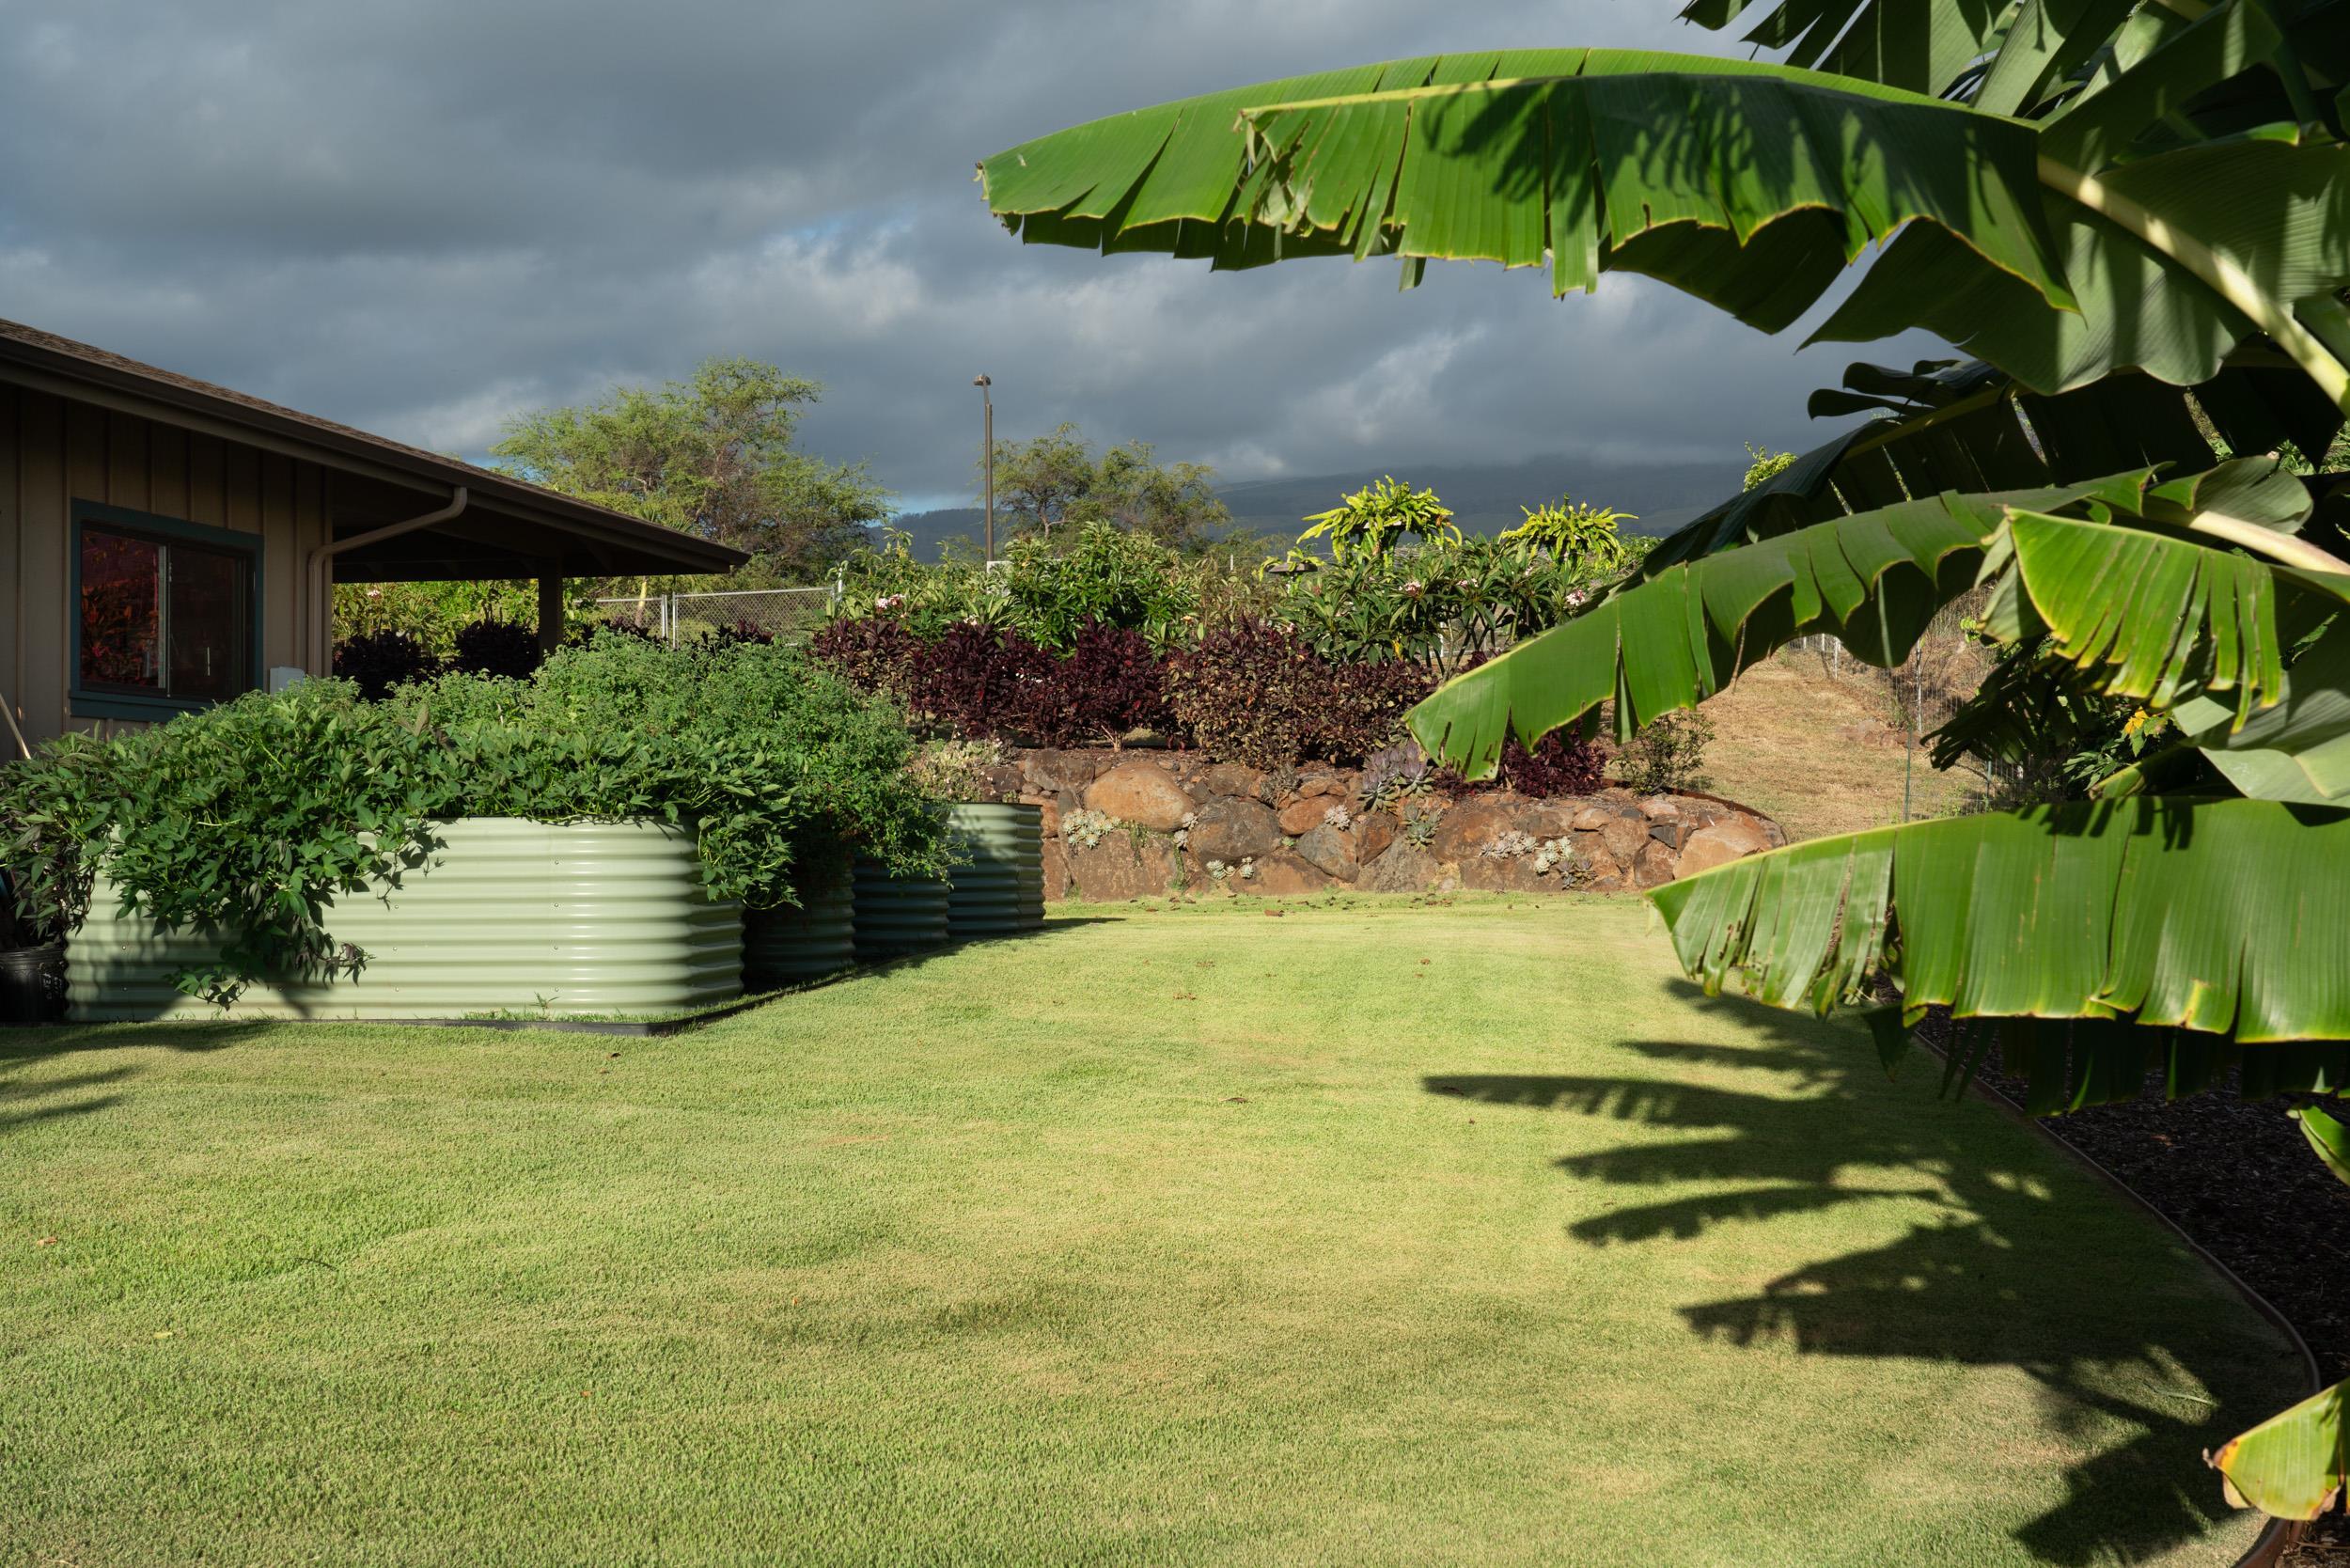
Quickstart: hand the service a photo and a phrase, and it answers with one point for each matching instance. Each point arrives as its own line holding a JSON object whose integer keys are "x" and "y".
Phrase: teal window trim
{"x": 128, "y": 705}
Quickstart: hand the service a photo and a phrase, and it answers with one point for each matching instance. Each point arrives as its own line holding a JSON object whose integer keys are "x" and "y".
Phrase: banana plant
{"x": 2100, "y": 201}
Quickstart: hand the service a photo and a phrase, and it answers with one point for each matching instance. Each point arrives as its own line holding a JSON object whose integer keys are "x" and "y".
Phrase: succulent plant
{"x": 1396, "y": 774}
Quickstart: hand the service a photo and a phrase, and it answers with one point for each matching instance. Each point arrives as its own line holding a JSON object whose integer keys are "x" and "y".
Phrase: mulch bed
{"x": 2239, "y": 1178}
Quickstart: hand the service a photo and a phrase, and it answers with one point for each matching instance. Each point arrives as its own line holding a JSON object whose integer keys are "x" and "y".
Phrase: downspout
{"x": 321, "y": 574}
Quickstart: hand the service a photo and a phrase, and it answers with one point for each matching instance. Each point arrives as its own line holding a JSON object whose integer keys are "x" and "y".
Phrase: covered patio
{"x": 207, "y": 530}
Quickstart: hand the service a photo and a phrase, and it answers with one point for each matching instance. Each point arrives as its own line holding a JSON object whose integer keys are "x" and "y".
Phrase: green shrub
{"x": 1665, "y": 755}
{"x": 241, "y": 819}
{"x": 1050, "y": 589}
{"x": 1443, "y": 606}
{"x": 1378, "y": 518}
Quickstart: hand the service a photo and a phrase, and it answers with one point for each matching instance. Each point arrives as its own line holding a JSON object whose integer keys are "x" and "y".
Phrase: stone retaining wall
{"x": 1141, "y": 823}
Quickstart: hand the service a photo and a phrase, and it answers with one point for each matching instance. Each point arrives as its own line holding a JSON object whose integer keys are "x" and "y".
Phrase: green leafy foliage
{"x": 1379, "y": 518}
{"x": 244, "y": 819}
{"x": 712, "y": 456}
{"x": 1668, "y": 754}
{"x": 1763, "y": 467}
{"x": 432, "y": 614}
{"x": 1874, "y": 580}
{"x": 2328, "y": 1137}
{"x": 1576, "y": 531}
{"x": 1049, "y": 590}
{"x": 1056, "y": 481}
{"x": 1442, "y": 606}
{"x": 2296, "y": 1464}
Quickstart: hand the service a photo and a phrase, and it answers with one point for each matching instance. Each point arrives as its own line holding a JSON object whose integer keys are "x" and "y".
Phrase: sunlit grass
{"x": 1378, "y": 1232}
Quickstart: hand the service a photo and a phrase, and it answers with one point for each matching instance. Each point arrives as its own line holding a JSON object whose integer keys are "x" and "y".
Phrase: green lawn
{"x": 1376, "y": 1233}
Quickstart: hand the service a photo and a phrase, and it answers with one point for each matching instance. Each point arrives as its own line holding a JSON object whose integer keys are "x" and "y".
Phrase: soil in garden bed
{"x": 2238, "y": 1177}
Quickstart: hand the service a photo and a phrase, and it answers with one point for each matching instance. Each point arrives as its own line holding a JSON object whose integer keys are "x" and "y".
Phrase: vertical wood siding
{"x": 55, "y": 451}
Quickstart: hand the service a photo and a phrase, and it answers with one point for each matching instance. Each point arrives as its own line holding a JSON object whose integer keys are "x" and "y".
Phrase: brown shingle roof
{"x": 30, "y": 347}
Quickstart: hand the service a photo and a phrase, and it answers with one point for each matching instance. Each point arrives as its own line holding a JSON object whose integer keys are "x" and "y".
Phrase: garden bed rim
{"x": 2279, "y": 1534}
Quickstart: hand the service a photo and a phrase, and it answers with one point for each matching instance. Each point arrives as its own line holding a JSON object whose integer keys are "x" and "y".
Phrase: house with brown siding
{"x": 166, "y": 543}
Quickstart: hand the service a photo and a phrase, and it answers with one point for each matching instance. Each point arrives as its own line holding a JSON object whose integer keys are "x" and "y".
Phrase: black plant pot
{"x": 32, "y": 985}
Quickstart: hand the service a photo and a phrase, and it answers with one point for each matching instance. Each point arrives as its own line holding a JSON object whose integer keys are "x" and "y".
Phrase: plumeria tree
{"x": 2132, "y": 216}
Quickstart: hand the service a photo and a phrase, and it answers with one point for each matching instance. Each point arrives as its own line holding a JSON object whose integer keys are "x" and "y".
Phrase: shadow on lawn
{"x": 27, "y": 1102}
{"x": 1935, "y": 1294}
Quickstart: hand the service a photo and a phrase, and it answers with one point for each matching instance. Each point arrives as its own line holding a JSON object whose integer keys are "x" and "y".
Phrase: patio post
{"x": 550, "y": 610}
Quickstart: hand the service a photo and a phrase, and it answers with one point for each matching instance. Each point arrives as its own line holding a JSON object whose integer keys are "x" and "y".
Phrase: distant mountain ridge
{"x": 1485, "y": 497}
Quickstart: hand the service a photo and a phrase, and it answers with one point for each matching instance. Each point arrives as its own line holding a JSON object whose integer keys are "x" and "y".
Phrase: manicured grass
{"x": 1376, "y": 1233}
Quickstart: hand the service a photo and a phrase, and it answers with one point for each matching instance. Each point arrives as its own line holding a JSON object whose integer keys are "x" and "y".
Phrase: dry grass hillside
{"x": 1823, "y": 752}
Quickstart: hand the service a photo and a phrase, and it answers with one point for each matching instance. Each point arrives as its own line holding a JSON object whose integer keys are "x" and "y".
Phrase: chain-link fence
{"x": 783, "y": 615}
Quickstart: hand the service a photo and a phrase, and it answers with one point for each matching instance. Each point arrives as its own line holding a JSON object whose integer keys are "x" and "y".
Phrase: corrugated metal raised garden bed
{"x": 505, "y": 917}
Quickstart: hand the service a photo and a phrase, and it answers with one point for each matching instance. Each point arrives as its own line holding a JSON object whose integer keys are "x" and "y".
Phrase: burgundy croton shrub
{"x": 1558, "y": 765}
{"x": 1259, "y": 694}
{"x": 1251, "y": 691}
{"x": 986, "y": 680}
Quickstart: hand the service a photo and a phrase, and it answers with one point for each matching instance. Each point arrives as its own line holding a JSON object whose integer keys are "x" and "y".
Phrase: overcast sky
{"x": 423, "y": 216}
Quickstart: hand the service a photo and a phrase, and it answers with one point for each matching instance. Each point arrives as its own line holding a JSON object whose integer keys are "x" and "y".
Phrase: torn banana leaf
{"x": 2228, "y": 918}
{"x": 1874, "y": 580}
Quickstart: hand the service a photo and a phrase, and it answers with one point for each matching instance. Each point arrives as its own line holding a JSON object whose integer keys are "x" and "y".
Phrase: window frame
{"x": 91, "y": 704}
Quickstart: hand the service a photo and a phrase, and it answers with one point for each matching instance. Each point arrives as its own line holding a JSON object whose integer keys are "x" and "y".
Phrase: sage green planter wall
{"x": 1000, "y": 890}
{"x": 896, "y": 915}
{"x": 505, "y": 917}
{"x": 786, "y": 946}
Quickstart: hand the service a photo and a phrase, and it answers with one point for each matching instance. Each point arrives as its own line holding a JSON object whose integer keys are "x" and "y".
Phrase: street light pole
{"x": 987, "y": 444}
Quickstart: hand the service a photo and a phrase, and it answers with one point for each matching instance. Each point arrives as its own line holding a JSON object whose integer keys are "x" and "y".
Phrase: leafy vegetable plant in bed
{"x": 243, "y": 822}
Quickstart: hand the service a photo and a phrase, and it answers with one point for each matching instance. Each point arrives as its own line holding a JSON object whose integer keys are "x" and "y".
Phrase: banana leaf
{"x": 2227, "y": 917}
{"x": 1874, "y": 580}
{"x": 1749, "y": 185}
{"x": 2294, "y": 1465}
{"x": 2328, "y": 1137}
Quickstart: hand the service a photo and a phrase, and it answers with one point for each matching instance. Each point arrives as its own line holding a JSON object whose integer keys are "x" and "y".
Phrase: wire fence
{"x": 1946, "y": 631}
{"x": 779, "y": 615}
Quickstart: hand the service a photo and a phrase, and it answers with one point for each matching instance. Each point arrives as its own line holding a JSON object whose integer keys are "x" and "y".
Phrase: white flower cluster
{"x": 1338, "y": 817}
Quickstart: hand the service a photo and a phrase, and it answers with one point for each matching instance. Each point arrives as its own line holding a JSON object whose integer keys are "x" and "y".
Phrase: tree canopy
{"x": 710, "y": 456}
{"x": 1055, "y": 480}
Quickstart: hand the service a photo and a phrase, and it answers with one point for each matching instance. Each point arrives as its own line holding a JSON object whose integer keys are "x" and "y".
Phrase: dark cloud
{"x": 422, "y": 218}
